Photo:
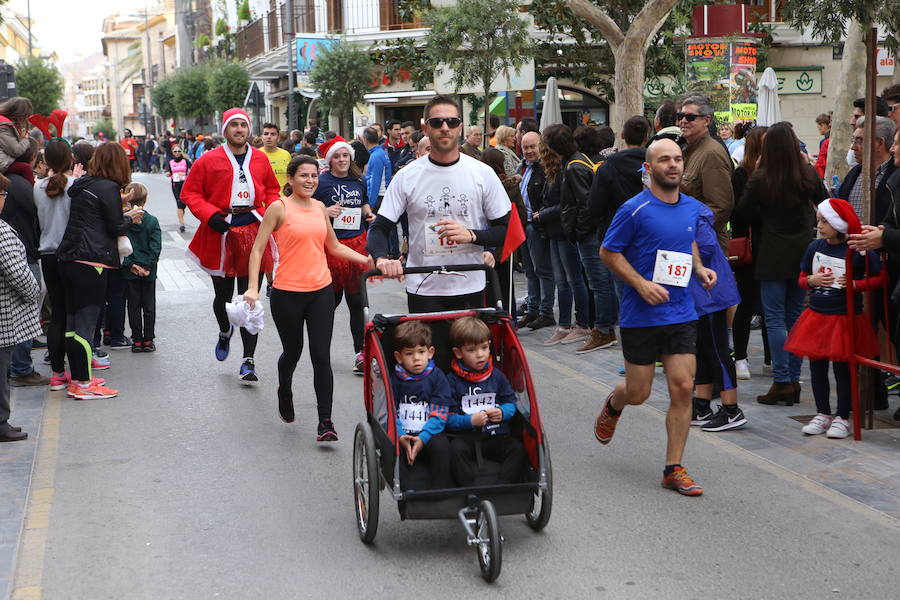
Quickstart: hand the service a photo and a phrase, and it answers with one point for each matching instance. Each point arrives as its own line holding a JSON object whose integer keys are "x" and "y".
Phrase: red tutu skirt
{"x": 345, "y": 274}
{"x": 238, "y": 244}
{"x": 829, "y": 337}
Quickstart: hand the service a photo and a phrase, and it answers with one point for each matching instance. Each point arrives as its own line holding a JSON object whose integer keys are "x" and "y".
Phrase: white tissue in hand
{"x": 241, "y": 315}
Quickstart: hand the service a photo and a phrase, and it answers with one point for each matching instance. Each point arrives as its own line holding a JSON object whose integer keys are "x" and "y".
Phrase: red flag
{"x": 515, "y": 235}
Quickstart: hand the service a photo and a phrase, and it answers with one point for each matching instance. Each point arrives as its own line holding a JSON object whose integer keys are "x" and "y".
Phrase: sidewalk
{"x": 867, "y": 471}
{"x": 16, "y": 464}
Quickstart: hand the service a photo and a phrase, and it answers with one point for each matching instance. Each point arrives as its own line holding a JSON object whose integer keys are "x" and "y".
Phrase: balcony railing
{"x": 320, "y": 17}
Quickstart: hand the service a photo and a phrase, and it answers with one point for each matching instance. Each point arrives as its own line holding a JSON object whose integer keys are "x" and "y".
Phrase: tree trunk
{"x": 850, "y": 87}
{"x": 628, "y": 85}
{"x": 896, "y": 78}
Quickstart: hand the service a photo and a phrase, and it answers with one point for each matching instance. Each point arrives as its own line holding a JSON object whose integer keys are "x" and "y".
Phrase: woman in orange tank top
{"x": 302, "y": 290}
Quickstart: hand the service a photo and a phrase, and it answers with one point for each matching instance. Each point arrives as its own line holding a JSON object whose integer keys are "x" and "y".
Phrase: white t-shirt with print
{"x": 467, "y": 191}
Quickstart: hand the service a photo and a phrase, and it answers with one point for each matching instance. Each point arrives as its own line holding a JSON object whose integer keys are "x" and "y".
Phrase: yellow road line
{"x": 819, "y": 489}
{"x": 33, "y": 546}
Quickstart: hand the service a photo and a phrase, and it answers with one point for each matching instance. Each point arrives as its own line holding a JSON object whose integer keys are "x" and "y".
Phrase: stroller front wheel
{"x": 366, "y": 486}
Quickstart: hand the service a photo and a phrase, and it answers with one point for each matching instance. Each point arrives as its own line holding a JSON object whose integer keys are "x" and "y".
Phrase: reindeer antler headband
{"x": 56, "y": 118}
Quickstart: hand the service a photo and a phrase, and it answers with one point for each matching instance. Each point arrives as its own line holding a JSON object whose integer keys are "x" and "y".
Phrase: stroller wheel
{"x": 366, "y": 486}
{"x": 543, "y": 499}
{"x": 489, "y": 546}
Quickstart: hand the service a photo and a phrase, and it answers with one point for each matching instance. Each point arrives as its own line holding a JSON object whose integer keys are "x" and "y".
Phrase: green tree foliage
{"x": 342, "y": 75}
{"x": 38, "y": 80}
{"x": 401, "y": 56}
{"x": 478, "y": 48}
{"x": 105, "y": 126}
{"x": 828, "y": 18}
{"x": 228, "y": 83}
{"x": 163, "y": 95}
{"x": 191, "y": 91}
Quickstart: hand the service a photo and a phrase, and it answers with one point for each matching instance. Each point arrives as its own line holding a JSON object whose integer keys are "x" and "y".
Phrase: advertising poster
{"x": 728, "y": 69}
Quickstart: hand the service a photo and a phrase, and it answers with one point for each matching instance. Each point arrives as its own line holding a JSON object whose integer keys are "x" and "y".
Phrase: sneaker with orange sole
{"x": 95, "y": 391}
{"x": 73, "y": 386}
{"x": 605, "y": 425}
{"x": 681, "y": 482}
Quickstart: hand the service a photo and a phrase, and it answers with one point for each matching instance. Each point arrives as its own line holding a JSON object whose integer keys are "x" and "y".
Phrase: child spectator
{"x": 423, "y": 402}
{"x": 14, "y": 141}
{"x": 484, "y": 402}
{"x": 139, "y": 270}
{"x": 822, "y": 332}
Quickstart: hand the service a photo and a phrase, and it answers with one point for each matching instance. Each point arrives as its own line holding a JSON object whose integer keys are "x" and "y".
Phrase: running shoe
{"x": 101, "y": 354}
{"x": 892, "y": 383}
{"x": 819, "y": 424}
{"x": 722, "y": 421}
{"x": 137, "y": 347}
{"x": 700, "y": 416}
{"x": 681, "y": 482}
{"x": 840, "y": 428}
{"x": 358, "y": 363}
{"x": 60, "y": 382}
{"x": 94, "y": 391}
{"x": 742, "y": 368}
{"x": 73, "y": 387}
{"x": 248, "y": 371}
{"x": 120, "y": 343}
{"x": 286, "y": 406}
{"x": 605, "y": 425}
{"x": 223, "y": 344}
{"x": 107, "y": 337}
{"x": 181, "y": 228}
{"x": 149, "y": 346}
{"x": 326, "y": 432}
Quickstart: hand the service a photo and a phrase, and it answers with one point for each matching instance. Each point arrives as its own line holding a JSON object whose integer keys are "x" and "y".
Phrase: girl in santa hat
{"x": 823, "y": 333}
{"x": 344, "y": 195}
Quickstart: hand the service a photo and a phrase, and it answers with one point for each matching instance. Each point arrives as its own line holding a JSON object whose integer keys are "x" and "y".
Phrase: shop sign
{"x": 799, "y": 81}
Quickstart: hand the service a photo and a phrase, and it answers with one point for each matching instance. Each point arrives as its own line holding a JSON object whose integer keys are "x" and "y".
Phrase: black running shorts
{"x": 645, "y": 345}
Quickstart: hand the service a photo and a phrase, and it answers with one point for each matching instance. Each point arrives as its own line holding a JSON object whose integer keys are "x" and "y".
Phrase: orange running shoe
{"x": 681, "y": 482}
{"x": 605, "y": 425}
{"x": 95, "y": 391}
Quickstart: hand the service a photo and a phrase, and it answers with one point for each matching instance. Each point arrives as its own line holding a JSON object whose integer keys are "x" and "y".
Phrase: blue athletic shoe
{"x": 248, "y": 371}
{"x": 223, "y": 344}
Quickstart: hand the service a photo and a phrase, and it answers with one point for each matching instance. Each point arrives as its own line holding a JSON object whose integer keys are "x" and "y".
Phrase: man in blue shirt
{"x": 651, "y": 246}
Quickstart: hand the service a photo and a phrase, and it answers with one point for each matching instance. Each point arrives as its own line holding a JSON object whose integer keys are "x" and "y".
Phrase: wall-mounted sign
{"x": 884, "y": 62}
{"x": 799, "y": 80}
{"x": 307, "y": 50}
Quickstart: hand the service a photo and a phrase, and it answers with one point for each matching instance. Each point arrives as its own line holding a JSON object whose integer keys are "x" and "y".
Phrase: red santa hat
{"x": 327, "y": 149}
{"x": 840, "y": 215}
{"x": 231, "y": 114}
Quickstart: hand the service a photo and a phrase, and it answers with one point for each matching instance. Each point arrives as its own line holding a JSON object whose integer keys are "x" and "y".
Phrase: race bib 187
{"x": 673, "y": 268}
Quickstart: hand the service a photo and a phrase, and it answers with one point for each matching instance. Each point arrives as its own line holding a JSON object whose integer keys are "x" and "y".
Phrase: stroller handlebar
{"x": 489, "y": 271}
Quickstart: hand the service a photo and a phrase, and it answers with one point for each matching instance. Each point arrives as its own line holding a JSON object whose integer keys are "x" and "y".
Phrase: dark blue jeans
{"x": 569, "y": 283}
{"x": 600, "y": 280}
{"x": 782, "y": 303}
{"x": 538, "y": 272}
{"x": 20, "y": 363}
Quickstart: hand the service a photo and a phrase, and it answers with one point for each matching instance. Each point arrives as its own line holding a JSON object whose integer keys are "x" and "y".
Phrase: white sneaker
{"x": 742, "y": 367}
{"x": 839, "y": 429}
{"x": 819, "y": 424}
{"x": 558, "y": 336}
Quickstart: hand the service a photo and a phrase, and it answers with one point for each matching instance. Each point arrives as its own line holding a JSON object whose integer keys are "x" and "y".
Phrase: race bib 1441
{"x": 413, "y": 416}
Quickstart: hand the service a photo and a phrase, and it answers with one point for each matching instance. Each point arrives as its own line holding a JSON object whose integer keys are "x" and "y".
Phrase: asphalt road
{"x": 189, "y": 486}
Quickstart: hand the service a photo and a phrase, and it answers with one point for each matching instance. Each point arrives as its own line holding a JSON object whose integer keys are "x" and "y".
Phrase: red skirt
{"x": 238, "y": 244}
{"x": 829, "y": 337}
{"x": 345, "y": 274}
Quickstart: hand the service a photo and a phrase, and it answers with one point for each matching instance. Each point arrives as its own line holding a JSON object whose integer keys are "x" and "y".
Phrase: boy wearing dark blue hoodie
{"x": 423, "y": 403}
{"x": 484, "y": 402}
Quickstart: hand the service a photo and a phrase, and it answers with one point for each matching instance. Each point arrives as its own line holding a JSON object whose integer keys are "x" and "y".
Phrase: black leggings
{"x": 224, "y": 291}
{"x": 290, "y": 310}
{"x": 56, "y": 293}
{"x": 142, "y": 308}
{"x": 748, "y": 287}
{"x": 85, "y": 290}
{"x": 357, "y": 320}
{"x": 818, "y": 370}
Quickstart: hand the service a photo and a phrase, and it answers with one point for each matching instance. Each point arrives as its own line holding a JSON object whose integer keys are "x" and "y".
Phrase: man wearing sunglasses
{"x": 456, "y": 207}
{"x": 707, "y": 166}
{"x": 891, "y": 96}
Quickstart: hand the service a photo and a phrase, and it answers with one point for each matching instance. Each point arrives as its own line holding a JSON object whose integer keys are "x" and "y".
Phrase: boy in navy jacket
{"x": 423, "y": 404}
{"x": 484, "y": 402}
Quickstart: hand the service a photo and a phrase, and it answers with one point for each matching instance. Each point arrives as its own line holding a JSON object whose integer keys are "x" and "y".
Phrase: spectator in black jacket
{"x": 88, "y": 250}
{"x": 20, "y": 212}
{"x": 536, "y": 250}
{"x": 851, "y": 188}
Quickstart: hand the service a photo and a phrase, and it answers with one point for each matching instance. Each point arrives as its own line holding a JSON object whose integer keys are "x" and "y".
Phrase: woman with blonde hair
{"x": 506, "y": 143}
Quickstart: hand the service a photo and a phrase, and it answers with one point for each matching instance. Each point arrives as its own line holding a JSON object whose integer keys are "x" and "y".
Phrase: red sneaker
{"x": 681, "y": 482}
{"x": 605, "y": 425}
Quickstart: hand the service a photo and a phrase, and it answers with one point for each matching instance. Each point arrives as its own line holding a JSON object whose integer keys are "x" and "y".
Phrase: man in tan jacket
{"x": 707, "y": 166}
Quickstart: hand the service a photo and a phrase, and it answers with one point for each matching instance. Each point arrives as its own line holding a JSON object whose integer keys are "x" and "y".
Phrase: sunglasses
{"x": 891, "y": 107}
{"x": 438, "y": 122}
{"x": 689, "y": 117}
